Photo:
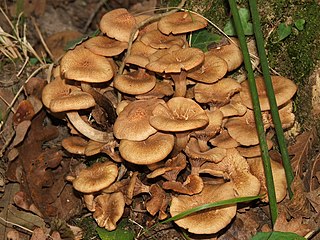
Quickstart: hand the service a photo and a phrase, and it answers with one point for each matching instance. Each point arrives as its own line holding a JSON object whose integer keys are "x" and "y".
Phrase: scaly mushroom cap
{"x": 174, "y": 62}
{"x": 105, "y": 46}
{"x": 284, "y": 89}
{"x": 181, "y": 22}
{"x": 118, "y": 24}
{"x": 133, "y": 122}
{"x": 177, "y": 115}
{"x": 212, "y": 69}
{"x": 158, "y": 40}
{"x": 208, "y": 221}
{"x": 136, "y": 82}
{"x": 154, "y": 149}
{"x": 218, "y": 93}
{"x": 109, "y": 209}
{"x": 279, "y": 177}
{"x": 81, "y": 64}
{"x": 231, "y": 53}
{"x": 95, "y": 177}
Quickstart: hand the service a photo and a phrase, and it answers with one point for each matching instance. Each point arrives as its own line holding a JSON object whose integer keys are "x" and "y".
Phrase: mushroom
{"x": 75, "y": 145}
{"x": 208, "y": 221}
{"x": 234, "y": 107}
{"x": 140, "y": 54}
{"x": 161, "y": 89}
{"x": 181, "y": 22}
{"x": 104, "y": 46}
{"x": 224, "y": 140}
{"x": 284, "y": 89}
{"x": 230, "y": 52}
{"x": 118, "y": 24}
{"x": 154, "y": 149}
{"x": 192, "y": 185}
{"x": 212, "y": 69}
{"x": 94, "y": 178}
{"x": 177, "y": 63}
{"x": 217, "y": 93}
{"x": 109, "y": 209}
{"x": 278, "y": 174}
{"x": 179, "y": 115}
{"x": 158, "y": 202}
{"x": 133, "y": 122}
{"x": 158, "y": 40}
{"x": 135, "y": 83}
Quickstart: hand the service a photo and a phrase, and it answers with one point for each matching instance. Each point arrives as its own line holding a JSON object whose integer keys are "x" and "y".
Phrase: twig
{"x": 17, "y": 225}
{"x": 23, "y": 66}
{"x": 93, "y": 14}
{"x": 142, "y": 24}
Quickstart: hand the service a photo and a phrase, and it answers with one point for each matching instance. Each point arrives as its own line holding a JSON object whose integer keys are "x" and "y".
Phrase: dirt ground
{"x": 39, "y": 204}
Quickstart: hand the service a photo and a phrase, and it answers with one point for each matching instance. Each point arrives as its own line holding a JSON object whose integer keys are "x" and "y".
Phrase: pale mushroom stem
{"x": 181, "y": 142}
{"x": 87, "y": 130}
{"x": 180, "y": 83}
{"x": 203, "y": 145}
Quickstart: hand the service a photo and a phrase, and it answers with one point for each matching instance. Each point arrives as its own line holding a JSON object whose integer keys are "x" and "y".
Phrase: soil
{"x": 295, "y": 57}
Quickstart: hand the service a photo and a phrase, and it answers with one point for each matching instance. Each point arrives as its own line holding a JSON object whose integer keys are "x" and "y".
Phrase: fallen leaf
{"x": 314, "y": 199}
{"x": 21, "y": 131}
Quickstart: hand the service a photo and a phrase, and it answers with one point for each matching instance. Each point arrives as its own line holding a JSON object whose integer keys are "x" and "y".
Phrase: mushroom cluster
{"x": 174, "y": 109}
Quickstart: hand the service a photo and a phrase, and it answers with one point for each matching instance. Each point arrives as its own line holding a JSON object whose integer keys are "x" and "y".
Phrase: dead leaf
{"x": 314, "y": 198}
{"x": 21, "y": 131}
{"x": 300, "y": 151}
{"x": 13, "y": 235}
{"x": 295, "y": 225}
{"x": 25, "y": 111}
{"x": 312, "y": 176}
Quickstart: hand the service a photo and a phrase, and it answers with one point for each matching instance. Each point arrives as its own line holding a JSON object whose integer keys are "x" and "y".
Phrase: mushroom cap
{"x": 133, "y": 122}
{"x": 154, "y": 149}
{"x": 224, "y": 140}
{"x": 158, "y": 202}
{"x": 192, "y": 185}
{"x": 284, "y": 89}
{"x": 279, "y": 178}
{"x": 160, "y": 90}
{"x": 181, "y": 22}
{"x": 102, "y": 45}
{"x": 81, "y": 64}
{"x": 109, "y": 209}
{"x": 211, "y": 220}
{"x": 176, "y": 61}
{"x": 140, "y": 54}
{"x": 218, "y": 92}
{"x": 95, "y": 177}
{"x": 158, "y": 40}
{"x": 177, "y": 115}
{"x": 212, "y": 69}
{"x": 74, "y": 144}
{"x": 234, "y": 107}
{"x": 118, "y": 24}
{"x": 136, "y": 82}
{"x": 231, "y": 53}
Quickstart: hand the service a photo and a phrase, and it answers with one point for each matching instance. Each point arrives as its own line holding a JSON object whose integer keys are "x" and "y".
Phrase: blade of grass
{"x": 257, "y": 113}
{"x": 270, "y": 93}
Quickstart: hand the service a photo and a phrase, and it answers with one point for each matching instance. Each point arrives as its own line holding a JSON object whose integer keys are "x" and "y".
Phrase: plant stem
{"x": 270, "y": 93}
{"x": 257, "y": 113}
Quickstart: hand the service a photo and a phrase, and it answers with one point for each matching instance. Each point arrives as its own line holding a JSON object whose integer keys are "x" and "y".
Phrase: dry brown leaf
{"x": 21, "y": 131}
{"x": 300, "y": 151}
{"x": 314, "y": 199}
{"x": 295, "y": 225}
{"x": 312, "y": 177}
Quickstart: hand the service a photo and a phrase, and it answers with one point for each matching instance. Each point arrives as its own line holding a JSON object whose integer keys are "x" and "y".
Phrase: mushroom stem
{"x": 87, "y": 130}
{"x": 181, "y": 142}
{"x": 180, "y": 83}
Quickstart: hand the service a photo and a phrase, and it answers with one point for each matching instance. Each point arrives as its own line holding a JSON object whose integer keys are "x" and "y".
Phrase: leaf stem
{"x": 270, "y": 93}
{"x": 257, "y": 112}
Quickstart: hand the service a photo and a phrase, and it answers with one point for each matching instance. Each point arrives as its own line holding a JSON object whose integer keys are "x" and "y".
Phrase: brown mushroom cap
{"x": 136, "y": 82}
{"x": 140, "y": 54}
{"x": 212, "y": 69}
{"x": 109, "y": 209}
{"x": 95, "y": 177}
{"x": 105, "y": 46}
{"x": 218, "y": 92}
{"x": 284, "y": 89}
{"x": 234, "y": 107}
{"x": 82, "y": 65}
{"x": 118, "y": 24}
{"x": 224, "y": 140}
{"x": 208, "y": 221}
{"x": 178, "y": 115}
{"x": 174, "y": 62}
{"x": 231, "y": 53}
{"x": 192, "y": 185}
{"x": 133, "y": 122}
{"x": 158, "y": 40}
{"x": 75, "y": 145}
{"x": 279, "y": 178}
{"x": 154, "y": 149}
{"x": 161, "y": 89}
{"x": 158, "y": 202}
{"x": 181, "y": 22}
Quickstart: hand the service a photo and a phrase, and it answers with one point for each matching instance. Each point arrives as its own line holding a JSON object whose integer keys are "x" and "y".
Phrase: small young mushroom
{"x": 208, "y": 221}
{"x": 74, "y": 144}
{"x": 192, "y": 185}
{"x": 158, "y": 40}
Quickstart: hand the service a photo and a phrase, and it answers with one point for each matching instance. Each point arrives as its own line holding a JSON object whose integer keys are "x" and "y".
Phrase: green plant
{"x": 203, "y": 38}
{"x": 284, "y": 30}
{"x": 244, "y": 15}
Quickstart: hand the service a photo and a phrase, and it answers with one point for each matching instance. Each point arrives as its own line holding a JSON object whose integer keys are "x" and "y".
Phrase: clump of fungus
{"x": 162, "y": 137}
